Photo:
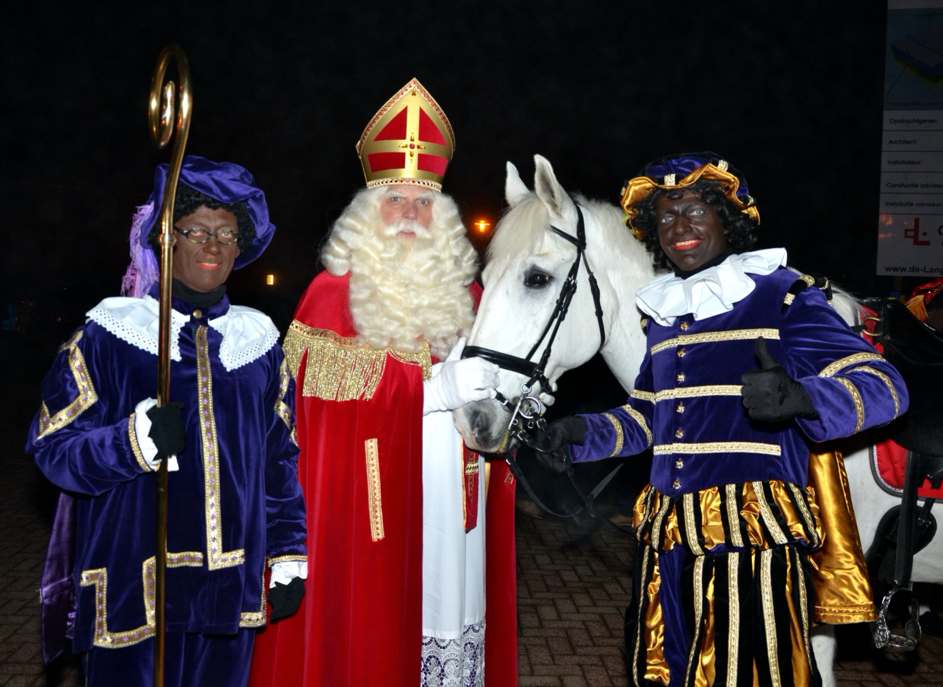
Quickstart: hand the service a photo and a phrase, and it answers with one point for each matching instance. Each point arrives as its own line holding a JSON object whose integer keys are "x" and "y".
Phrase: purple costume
{"x": 687, "y": 405}
{"x": 234, "y": 505}
{"x": 727, "y": 523}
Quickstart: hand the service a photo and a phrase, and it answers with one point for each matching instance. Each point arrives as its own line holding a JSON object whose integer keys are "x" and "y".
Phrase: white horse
{"x": 527, "y": 265}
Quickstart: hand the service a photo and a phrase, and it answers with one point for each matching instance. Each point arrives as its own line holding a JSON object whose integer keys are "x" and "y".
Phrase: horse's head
{"x": 528, "y": 263}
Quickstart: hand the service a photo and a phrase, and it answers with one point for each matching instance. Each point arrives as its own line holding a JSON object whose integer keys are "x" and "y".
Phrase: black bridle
{"x": 528, "y": 411}
{"x": 536, "y": 371}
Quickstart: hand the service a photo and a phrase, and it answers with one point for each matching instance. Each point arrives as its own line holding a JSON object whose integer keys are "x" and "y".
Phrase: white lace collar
{"x": 710, "y": 292}
{"x": 247, "y": 333}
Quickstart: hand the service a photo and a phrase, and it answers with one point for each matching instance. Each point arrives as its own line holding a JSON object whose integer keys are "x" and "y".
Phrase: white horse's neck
{"x": 622, "y": 266}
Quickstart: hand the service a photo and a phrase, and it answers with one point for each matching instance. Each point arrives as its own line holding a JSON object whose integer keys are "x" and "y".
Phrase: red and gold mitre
{"x": 409, "y": 141}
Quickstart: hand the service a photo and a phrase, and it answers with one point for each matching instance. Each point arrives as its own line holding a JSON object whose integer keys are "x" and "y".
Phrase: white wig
{"x": 404, "y": 291}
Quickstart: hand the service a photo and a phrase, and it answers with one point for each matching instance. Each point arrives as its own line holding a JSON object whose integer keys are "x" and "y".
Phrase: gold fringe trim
{"x": 337, "y": 368}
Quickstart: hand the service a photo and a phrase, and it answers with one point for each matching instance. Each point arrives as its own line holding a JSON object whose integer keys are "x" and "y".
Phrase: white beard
{"x": 400, "y": 294}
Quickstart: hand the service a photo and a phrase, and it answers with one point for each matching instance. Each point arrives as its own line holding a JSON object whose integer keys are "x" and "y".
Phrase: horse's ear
{"x": 547, "y": 187}
{"x": 515, "y": 190}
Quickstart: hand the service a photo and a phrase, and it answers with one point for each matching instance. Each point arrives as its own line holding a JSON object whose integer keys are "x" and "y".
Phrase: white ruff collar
{"x": 247, "y": 333}
{"x": 710, "y": 292}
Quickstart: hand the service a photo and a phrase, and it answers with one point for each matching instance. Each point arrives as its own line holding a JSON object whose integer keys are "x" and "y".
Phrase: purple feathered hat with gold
{"x": 224, "y": 181}
{"x": 676, "y": 172}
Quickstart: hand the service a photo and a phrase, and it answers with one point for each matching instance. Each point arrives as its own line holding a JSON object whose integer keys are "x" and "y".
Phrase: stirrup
{"x": 881, "y": 633}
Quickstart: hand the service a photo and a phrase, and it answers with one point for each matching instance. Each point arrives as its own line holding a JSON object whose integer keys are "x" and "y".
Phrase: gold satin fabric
{"x": 655, "y": 515}
{"x": 790, "y": 516}
{"x": 840, "y": 573}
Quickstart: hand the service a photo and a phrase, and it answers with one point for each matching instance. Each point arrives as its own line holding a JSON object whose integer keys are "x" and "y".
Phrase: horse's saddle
{"x": 916, "y": 350}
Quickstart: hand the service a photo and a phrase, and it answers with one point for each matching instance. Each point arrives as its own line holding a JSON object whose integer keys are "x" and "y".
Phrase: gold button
{"x": 681, "y": 377}
{"x": 676, "y": 484}
{"x": 682, "y": 352}
{"x": 680, "y": 408}
{"x": 679, "y": 433}
{"x": 198, "y": 314}
{"x": 685, "y": 325}
{"x": 679, "y": 463}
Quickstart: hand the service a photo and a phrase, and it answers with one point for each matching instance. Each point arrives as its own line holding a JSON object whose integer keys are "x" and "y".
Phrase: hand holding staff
{"x": 160, "y": 115}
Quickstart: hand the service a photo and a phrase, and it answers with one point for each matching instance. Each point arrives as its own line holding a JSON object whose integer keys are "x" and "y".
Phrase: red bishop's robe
{"x": 359, "y": 420}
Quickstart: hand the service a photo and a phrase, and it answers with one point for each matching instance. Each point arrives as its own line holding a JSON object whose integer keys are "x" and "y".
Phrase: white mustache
{"x": 408, "y": 226}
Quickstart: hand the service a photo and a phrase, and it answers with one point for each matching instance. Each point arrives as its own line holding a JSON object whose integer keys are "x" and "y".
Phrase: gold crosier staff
{"x": 160, "y": 118}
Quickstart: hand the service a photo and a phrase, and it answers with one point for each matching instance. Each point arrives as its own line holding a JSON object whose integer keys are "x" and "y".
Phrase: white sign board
{"x": 910, "y": 220}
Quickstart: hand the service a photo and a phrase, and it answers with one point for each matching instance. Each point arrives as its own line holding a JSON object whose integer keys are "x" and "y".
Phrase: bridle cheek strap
{"x": 536, "y": 371}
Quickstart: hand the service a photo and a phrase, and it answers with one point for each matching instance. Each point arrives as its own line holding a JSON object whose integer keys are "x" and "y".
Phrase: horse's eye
{"x": 537, "y": 280}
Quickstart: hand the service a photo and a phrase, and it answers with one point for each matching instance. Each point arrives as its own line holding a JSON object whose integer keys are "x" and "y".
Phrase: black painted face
{"x": 205, "y": 266}
{"x": 689, "y": 230}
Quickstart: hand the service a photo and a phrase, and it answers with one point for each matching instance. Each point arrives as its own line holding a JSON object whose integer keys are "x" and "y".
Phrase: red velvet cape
{"x": 360, "y": 621}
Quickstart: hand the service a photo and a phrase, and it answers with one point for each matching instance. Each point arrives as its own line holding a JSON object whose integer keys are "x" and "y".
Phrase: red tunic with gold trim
{"x": 360, "y": 428}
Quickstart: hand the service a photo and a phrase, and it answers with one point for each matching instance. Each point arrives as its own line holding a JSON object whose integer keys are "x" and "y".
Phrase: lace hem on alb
{"x": 455, "y": 662}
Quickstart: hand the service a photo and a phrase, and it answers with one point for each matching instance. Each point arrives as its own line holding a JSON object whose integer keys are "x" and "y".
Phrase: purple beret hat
{"x": 224, "y": 181}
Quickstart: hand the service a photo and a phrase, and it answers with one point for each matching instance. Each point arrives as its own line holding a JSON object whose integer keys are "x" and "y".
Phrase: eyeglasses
{"x": 226, "y": 237}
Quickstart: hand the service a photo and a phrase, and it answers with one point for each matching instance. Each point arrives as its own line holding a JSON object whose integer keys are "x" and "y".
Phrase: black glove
{"x": 285, "y": 599}
{"x": 167, "y": 429}
{"x": 550, "y": 444}
{"x": 770, "y": 394}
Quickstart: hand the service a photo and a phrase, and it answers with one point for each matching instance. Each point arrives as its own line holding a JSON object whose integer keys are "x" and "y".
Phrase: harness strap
{"x": 506, "y": 362}
{"x": 568, "y": 513}
{"x": 535, "y": 371}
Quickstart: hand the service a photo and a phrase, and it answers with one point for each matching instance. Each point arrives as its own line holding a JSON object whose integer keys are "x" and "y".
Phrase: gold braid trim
{"x": 698, "y": 391}
{"x": 733, "y": 515}
{"x": 847, "y": 362}
{"x": 719, "y": 447}
{"x": 98, "y": 578}
{"x": 698, "y": 615}
{"x": 769, "y": 619}
{"x": 281, "y": 408}
{"x": 733, "y": 611}
{"x": 856, "y": 399}
{"x": 713, "y": 337}
{"x": 135, "y": 446}
{"x": 288, "y": 558}
{"x": 338, "y": 369}
{"x": 887, "y": 381}
{"x": 640, "y": 419}
{"x": 374, "y": 491}
{"x": 793, "y": 555}
{"x": 217, "y": 556}
{"x": 779, "y": 537}
{"x": 83, "y": 382}
{"x": 690, "y": 525}
{"x": 617, "y": 427}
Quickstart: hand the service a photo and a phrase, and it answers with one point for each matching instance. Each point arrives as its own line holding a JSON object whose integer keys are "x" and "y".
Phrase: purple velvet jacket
{"x": 687, "y": 405}
{"x": 235, "y": 500}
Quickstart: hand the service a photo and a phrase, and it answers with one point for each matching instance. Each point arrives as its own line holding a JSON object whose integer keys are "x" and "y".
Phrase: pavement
{"x": 574, "y": 580}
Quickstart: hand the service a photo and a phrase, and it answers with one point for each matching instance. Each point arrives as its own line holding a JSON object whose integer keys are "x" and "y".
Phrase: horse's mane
{"x": 525, "y": 225}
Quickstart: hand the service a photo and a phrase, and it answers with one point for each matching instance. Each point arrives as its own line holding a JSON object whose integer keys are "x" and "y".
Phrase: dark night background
{"x": 790, "y": 94}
